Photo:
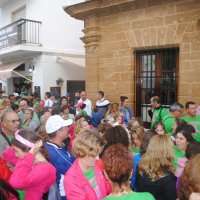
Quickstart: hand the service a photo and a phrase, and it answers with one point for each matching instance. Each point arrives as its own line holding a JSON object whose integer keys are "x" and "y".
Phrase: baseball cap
{"x": 79, "y": 104}
{"x": 56, "y": 122}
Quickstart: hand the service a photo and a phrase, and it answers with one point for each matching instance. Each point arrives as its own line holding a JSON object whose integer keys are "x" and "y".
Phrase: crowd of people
{"x": 67, "y": 148}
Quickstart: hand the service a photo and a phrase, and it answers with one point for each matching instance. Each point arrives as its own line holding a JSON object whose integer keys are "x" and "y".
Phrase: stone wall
{"x": 115, "y": 29}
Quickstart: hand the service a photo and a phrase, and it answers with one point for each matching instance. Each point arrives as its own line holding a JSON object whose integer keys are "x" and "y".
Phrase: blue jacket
{"x": 136, "y": 161}
{"x": 62, "y": 161}
{"x": 96, "y": 119}
{"x": 125, "y": 115}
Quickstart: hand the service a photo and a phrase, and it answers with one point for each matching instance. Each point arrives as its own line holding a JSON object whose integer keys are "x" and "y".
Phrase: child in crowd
{"x": 159, "y": 128}
{"x": 65, "y": 113}
{"x": 136, "y": 139}
{"x": 32, "y": 172}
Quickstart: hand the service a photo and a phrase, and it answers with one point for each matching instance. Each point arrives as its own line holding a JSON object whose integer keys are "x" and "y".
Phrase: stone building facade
{"x": 115, "y": 30}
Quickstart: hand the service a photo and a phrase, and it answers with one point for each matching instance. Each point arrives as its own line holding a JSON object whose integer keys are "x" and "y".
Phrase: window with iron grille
{"x": 155, "y": 75}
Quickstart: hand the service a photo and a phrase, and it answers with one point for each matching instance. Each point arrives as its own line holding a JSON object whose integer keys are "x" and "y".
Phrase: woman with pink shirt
{"x": 32, "y": 172}
{"x": 84, "y": 180}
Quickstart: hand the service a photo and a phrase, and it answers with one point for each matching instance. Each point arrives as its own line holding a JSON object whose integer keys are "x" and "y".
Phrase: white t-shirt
{"x": 102, "y": 102}
{"x": 88, "y": 107}
{"x": 48, "y": 103}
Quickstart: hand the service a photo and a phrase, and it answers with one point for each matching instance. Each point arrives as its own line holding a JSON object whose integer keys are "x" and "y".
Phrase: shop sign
{"x": 8, "y": 35}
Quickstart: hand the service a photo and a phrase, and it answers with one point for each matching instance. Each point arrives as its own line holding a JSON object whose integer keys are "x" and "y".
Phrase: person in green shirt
{"x": 192, "y": 118}
{"x": 10, "y": 123}
{"x": 158, "y": 112}
{"x": 136, "y": 138}
{"x": 177, "y": 155}
{"x": 175, "y": 112}
{"x": 118, "y": 170}
{"x": 183, "y": 139}
{"x": 80, "y": 109}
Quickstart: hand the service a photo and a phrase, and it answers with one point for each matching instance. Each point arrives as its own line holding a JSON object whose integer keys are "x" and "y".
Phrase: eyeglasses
{"x": 14, "y": 121}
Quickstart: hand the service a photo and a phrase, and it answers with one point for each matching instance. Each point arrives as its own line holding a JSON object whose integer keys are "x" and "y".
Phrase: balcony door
{"x": 21, "y": 27}
{"x": 19, "y": 14}
{"x": 156, "y": 75}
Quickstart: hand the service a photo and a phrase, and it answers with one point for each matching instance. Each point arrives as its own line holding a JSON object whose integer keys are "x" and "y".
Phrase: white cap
{"x": 56, "y": 122}
{"x": 16, "y": 94}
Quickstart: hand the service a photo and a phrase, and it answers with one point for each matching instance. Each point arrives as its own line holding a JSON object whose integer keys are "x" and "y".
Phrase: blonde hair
{"x": 114, "y": 107}
{"x": 118, "y": 114}
{"x": 139, "y": 132}
{"x": 42, "y": 131}
{"x": 87, "y": 143}
{"x": 78, "y": 126}
{"x": 134, "y": 122}
{"x": 5, "y": 104}
{"x": 157, "y": 161}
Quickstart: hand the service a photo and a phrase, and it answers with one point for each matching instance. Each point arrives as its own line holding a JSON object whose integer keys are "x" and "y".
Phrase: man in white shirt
{"x": 102, "y": 104}
{"x": 86, "y": 101}
{"x": 48, "y": 103}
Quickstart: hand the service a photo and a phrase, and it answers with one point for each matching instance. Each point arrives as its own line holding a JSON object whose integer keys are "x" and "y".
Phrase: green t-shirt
{"x": 89, "y": 174}
{"x": 195, "y": 122}
{"x": 132, "y": 196}
{"x": 158, "y": 115}
{"x": 10, "y": 138}
{"x": 83, "y": 112}
{"x": 127, "y": 114}
{"x": 21, "y": 194}
{"x": 36, "y": 102}
{"x": 93, "y": 182}
{"x": 25, "y": 125}
{"x": 177, "y": 154}
{"x": 135, "y": 150}
{"x": 168, "y": 122}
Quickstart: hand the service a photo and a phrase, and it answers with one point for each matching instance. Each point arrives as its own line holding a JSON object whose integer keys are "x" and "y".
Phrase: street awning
{"x": 7, "y": 70}
{"x": 80, "y": 61}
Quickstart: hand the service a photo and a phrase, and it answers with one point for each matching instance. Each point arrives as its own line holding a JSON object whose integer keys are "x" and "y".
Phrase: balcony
{"x": 20, "y": 37}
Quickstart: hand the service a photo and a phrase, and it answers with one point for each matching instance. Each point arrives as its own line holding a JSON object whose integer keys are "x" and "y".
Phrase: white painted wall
{"x": 72, "y": 2}
{"x": 59, "y": 31}
{"x": 0, "y": 17}
{"x": 9, "y": 88}
{"x": 48, "y": 70}
{"x": 8, "y": 8}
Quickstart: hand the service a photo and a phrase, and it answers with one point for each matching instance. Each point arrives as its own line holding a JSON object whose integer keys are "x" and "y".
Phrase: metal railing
{"x": 23, "y": 31}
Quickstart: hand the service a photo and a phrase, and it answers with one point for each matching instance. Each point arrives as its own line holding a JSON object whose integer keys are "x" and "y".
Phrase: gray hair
{"x": 175, "y": 106}
{"x": 5, "y": 113}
